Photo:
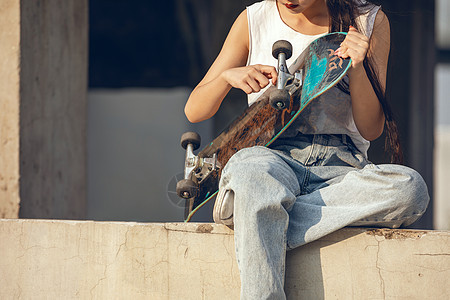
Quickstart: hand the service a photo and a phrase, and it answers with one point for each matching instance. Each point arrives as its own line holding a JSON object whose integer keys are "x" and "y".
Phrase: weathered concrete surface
{"x": 43, "y": 83}
{"x": 372, "y": 264}
{"x": 104, "y": 260}
{"x": 9, "y": 108}
{"x": 64, "y": 260}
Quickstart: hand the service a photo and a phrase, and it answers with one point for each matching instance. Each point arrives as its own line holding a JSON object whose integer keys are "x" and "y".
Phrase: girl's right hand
{"x": 250, "y": 79}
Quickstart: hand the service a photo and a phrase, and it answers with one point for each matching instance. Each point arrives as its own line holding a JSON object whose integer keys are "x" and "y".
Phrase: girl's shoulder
{"x": 367, "y": 14}
{"x": 261, "y": 6}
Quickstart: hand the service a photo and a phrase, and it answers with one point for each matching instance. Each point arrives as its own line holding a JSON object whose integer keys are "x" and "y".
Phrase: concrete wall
{"x": 105, "y": 260}
{"x": 43, "y": 79}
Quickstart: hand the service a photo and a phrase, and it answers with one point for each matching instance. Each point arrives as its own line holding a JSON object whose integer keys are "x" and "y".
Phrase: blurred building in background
{"x": 154, "y": 46}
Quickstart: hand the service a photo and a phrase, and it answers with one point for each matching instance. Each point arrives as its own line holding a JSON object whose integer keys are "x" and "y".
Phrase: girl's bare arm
{"x": 367, "y": 111}
{"x": 227, "y": 71}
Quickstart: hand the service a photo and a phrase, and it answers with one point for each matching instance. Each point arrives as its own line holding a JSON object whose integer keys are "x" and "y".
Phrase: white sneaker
{"x": 224, "y": 207}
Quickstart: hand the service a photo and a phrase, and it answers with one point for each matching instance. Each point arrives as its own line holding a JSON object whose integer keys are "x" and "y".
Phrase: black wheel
{"x": 190, "y": 137}
{"x": 282, "y": 46}
{"x": 187, "y": 188}
{"x": 279, "y": 99}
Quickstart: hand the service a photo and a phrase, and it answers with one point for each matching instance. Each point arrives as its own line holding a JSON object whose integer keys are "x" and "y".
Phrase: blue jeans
{"x": 303, "y": 189}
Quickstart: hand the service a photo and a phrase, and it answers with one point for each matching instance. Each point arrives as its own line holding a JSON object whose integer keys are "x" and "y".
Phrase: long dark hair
{"x": 343, "y": 13}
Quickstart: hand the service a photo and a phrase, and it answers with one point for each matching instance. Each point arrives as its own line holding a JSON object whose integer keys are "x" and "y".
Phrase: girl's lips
{"x": 290, "y": 5}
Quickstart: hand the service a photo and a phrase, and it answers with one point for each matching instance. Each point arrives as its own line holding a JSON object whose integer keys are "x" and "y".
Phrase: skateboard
{"x": 316, "y": 70}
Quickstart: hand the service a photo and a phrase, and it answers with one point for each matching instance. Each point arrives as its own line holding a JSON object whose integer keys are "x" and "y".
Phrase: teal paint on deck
{"x": 313, "y": 79}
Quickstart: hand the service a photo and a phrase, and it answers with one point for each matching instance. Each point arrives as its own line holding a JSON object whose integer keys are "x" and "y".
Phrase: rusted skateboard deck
{"x": 315, "y": 71}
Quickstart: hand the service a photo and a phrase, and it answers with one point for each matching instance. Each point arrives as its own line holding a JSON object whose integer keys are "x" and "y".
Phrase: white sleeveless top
{"x": 331, "y": 113}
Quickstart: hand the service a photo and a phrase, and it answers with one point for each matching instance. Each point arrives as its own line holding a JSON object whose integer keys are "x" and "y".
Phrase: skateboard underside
{"x": 261, "y": 123}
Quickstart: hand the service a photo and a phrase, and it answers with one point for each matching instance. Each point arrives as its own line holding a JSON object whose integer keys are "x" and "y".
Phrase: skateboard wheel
{"x": 187, "y": 189}
{"x": 282, "y": 46}
{"x": 279, "y": 99}
{"x": 190, "y": 137}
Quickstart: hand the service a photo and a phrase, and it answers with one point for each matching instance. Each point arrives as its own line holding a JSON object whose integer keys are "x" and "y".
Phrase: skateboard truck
{"x": 199, "y": 169}
{"x": 287, "y": 84}
{"x": 196, "y": 169}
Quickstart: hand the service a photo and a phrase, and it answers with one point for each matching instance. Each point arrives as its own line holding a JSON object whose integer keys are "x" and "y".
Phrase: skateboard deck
{"x": 315, "y": 71}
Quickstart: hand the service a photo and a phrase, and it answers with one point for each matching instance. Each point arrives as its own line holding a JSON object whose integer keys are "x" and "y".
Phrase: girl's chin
{"x": 290, "y": 5}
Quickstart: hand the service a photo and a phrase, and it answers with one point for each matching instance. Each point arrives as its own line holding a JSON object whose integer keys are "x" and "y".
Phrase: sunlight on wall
{"x": 442, "y": 121}
{"x": 442, "y": 149}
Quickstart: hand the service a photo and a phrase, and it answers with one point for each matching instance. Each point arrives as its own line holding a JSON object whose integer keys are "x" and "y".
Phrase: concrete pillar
{"x": 9, "y": 108}
{"x": 43, "y": 77}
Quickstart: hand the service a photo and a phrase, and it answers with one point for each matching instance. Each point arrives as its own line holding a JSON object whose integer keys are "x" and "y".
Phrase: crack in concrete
{"x": 225, "y": 246}
{"x": 432, "y": 254}
{"x": 79, "y": 240}
{"x": 123, "y": 244}
{"x": 383, "y": 285}
{"x": 200, "y": 229}
{"x": 20, "y": 291}
{"x": 98, "y": 282}
{"x": 74, "y": 257}
{"x": 389, "y": 234}
{"x": 107, "y": 265}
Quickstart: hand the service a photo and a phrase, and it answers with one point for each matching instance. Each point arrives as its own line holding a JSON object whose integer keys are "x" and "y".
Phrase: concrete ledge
{"x": 113, "y": 260}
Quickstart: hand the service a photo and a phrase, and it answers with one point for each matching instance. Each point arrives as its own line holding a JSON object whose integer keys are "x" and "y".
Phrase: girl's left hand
{"x": 355, "y": 46}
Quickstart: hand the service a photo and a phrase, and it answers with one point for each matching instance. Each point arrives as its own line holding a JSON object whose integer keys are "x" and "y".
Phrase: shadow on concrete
{"x": 300, "y": 284}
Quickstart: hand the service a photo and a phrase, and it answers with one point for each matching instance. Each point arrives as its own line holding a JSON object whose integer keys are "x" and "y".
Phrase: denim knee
{"x": 250, "y": 155}
{"x": 411, "y": 189}
{"x": 258, "y": 170}
{"x": 243, "y": 165}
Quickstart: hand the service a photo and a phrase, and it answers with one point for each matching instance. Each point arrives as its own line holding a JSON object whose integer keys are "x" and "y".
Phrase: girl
{"x": 316, "y": 178}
